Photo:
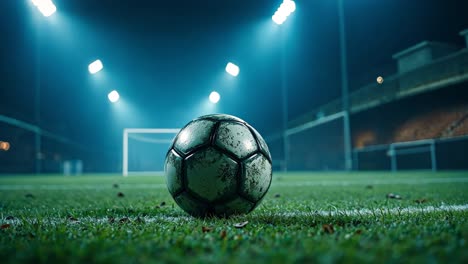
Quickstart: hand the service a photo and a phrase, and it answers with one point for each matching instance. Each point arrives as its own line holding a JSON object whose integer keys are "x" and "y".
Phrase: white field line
{"x": 276, "y": 183}
{"x": 380, "y": 211}
{"x": 372, "y": 182}
{"x": 12, "y": 187}
{"x": 101, "y": 220}
{"x": 291, "y": 214}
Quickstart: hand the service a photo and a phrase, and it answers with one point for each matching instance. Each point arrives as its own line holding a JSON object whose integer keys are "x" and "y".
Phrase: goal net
{"x": 316, "y": 145}
{"x": 144, "y": 150}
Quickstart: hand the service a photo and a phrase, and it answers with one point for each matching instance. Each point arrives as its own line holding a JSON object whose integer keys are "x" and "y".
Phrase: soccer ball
{"x": 218, "y": 165}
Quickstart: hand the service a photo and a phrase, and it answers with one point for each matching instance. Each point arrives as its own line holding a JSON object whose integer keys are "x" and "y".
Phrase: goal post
{"x": 145, "y": 148}
{"x": 425, "y": 147}
{"x": 397, "y": 156}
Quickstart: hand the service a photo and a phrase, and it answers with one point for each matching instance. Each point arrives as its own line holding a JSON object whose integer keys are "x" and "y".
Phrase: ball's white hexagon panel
{"x": 263, "y": 144}
{"x": 197, "y": 133}
{"x": 190, "y": 205}
{"x": 236, "y": 138}
{"x": 211, "y": 174}
{"x": 222, "y": 117}
{"x": 237, "y": 206}
{"x": 173, "y": 169}
{"x": 256, "y": 177}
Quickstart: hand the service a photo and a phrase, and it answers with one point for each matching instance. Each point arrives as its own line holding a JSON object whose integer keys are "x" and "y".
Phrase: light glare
{"x": 283, "y": 11}
{"x": 232, "y": 69}
{"x": 113, "y": 96}
{"x": 183, "y": 137}
{"x": 290, "y": 6}
{"x": 95, "y": 66}
{"x": 214, "y": 97}
{"x": 46, "y": 7}
{"x": 278, "y": 19}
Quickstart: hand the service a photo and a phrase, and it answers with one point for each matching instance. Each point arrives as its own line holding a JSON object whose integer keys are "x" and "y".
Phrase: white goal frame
{"x": 413, "y": 147}
{"x": 127, "y": 131}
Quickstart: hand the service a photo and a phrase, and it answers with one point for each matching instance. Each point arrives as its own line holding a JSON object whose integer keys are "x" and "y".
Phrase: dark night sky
{"x": 165, "y": 57}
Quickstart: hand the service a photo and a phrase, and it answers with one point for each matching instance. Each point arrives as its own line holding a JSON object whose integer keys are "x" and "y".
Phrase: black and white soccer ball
{"x": 218, "y": 165}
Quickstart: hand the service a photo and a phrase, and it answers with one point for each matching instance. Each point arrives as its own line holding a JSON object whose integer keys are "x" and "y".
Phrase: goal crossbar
{"x": 151, "y": 130}
{"x": 314, "y": 123}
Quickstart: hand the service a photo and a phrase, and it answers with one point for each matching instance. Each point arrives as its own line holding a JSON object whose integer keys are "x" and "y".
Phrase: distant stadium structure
{"x": 416, "y": 119}
{"x": 424, "y": 104}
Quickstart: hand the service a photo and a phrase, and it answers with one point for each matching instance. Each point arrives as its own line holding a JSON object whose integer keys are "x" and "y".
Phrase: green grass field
{"x": 308, "y": 217}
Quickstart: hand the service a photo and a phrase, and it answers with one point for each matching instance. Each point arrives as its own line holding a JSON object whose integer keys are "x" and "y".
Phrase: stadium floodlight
{"x": 232, "y": 69}
{"x": 95, "y": 66}
{"x": 46, "y": 7}
{"x": 113, "y": 96}
{"x": 283, "y": 11}
{"x": 214, "y": 97}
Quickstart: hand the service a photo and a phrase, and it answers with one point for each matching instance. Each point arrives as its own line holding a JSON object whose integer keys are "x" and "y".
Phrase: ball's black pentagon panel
{"x": 221, "y": 117}
{"x": 173, "y": 168}
{"x": 236, "y": 138}
{"x": 238, "y": 205}
{"x": 195, "y": 134}
{"x": 256, "y": 177}
{"x": 191, "y": 205}
{"x": 211, "y": 174}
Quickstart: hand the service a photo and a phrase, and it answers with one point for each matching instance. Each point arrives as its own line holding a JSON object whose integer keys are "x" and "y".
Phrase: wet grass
{"x": 304, "y": 218}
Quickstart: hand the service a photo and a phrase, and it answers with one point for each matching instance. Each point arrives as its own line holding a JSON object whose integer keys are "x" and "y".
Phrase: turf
{"x": 306, "y": 217}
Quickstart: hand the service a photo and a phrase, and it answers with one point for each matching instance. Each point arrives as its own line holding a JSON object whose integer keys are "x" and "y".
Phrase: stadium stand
{"x": 441, "y": 123}
{"x": 462, "y": 127}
